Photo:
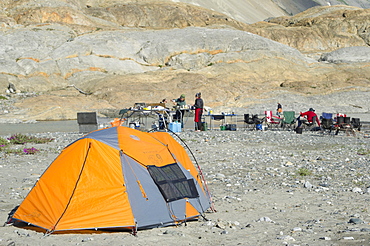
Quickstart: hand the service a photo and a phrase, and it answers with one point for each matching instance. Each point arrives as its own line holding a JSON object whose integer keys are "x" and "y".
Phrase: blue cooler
{"x": 178, "y": 124}
{"x": 174, "y": 126}
{"x": 259, "y": 127}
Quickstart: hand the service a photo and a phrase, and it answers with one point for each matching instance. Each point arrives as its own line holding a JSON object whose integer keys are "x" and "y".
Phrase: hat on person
{"x": 182, "y": 96}
{"x": 198, "y": 94}
{"x": 311, "y": 109}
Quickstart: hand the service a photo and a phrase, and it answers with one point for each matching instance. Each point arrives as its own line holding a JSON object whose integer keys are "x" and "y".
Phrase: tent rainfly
{"x": 116, "y": 178}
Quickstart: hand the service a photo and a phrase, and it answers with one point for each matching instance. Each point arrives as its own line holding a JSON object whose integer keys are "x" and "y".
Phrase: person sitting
{"x": 309, "y": 116}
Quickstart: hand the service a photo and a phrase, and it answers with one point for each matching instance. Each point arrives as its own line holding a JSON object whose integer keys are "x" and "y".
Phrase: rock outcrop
{"x": 347, "y": 55}
{"x": 298, "y": 6}
{"x": 86, "y": 18}
{"x": 121, "y": 52}
{"x": 319, "y": 29}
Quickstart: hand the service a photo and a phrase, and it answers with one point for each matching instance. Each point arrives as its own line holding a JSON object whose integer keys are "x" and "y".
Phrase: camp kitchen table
{"x": 233, "y": 119}
{"x": 139, "y": 117}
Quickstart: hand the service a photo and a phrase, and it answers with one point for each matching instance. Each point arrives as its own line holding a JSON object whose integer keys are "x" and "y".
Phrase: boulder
{"x": 348, "y": 55}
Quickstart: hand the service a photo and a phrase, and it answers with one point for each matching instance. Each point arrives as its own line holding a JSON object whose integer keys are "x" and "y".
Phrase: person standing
{"x": 279, "y": 109}
{"x": 198, "y": 105}
{"x": 180, "y": 109}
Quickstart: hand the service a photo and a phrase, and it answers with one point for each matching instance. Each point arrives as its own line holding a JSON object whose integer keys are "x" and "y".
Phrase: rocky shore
{"x": 269, "y": 188}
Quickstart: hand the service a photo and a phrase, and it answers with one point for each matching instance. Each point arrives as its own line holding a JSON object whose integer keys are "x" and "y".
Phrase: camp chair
{"x": 326, "y": 116}
{"x": 327, "y": 125}
{"x": 217, "y": 117}
{"x": 248, "y": 121}
{"x": 288, "y": 119}
{"x": 355, "y": 122}
{"x": 271, "y": 121}
{"x": 344, "y": 124}
{"x": 327, "y": 122}
{"x": 257, "y": 122}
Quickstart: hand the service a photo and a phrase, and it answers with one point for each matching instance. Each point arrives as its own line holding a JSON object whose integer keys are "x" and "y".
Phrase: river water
{"x": 40, "y": 126}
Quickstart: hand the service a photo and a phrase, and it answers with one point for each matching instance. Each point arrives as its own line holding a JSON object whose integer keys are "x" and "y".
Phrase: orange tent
{"x": 116, "y": 177}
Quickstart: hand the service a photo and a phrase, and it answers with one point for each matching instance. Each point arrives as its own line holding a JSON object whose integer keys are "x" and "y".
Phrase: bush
{"x": 304, "y": 172}
{"x": 18, "y": 139}
{"x": 12, "y": 151}
{"x": 30, "y": 151}
{"x": 3, "y": 142}
{"x": 21, "y": 139}
{"x": 363, "y": 151}
{"x": 41, "y": 140}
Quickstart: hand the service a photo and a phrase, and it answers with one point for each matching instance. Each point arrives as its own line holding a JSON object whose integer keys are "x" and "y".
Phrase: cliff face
{"x": 298, "y": 6}
{"x": 319, "y": 29}
{"x": 120, "y": 52}
{"x": 249, "y": 11}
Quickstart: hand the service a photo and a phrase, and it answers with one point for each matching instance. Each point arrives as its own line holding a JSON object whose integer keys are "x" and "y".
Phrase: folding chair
{"x": 248, "y": 121}
{"x": 355, "y": 122}
{"x": 326, "y": 116}
{"x": 288, "y": 119}
{"x": 272, "y": 121}
{"x": 344, "y": 124}
{"x": 327, "y": 125}
{"x": 327, "y": 122}
{"x": 257, "y": 122}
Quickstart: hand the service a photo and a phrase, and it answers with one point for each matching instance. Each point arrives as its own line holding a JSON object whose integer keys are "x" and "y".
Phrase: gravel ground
{"x": 269, "y": 188}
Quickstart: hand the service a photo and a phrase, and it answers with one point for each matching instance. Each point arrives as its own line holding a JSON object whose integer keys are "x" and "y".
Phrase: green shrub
{"x": 304, "y": 172}
{"x": 22, "y": 139}
{"x": 8, "y": 150}
{"x": 41, "y": 140}
{"x": 363, "y": 151}
{"x": 19, "y": 139}
{"x": 3, "y": 142}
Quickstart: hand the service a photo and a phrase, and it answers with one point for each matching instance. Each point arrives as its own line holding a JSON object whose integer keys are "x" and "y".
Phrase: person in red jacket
{"x": 309, "y": 115}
